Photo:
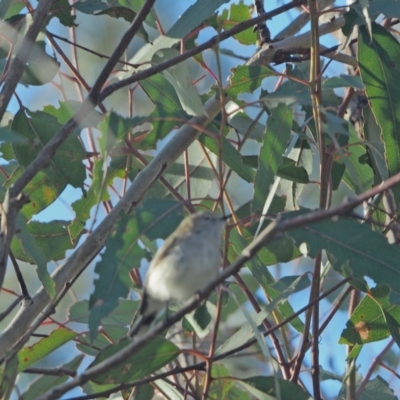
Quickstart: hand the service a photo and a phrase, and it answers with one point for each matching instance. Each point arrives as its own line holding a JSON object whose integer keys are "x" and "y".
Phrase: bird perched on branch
{"x": 188, "y": 260}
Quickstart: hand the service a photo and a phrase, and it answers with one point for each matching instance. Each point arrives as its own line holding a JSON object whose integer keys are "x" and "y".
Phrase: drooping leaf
{"x": 372, "y": 134}
{"x": 230, "y": 155}
{"x": 167, "y": 114}
{"x": 290, "y": 171}
{"x": 379, "y": 62}
{"x": 179, "y": 77}
{"x": 358, "y": 174}
{"x": 246, "y": 126}
{"x": 276, "y": 138}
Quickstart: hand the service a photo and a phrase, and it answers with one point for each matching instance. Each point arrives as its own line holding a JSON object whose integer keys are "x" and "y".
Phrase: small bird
{"x": 188, "y": 260}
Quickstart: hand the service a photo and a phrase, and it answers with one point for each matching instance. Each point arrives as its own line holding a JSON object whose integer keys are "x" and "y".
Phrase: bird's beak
{"x": 225, "y": 217}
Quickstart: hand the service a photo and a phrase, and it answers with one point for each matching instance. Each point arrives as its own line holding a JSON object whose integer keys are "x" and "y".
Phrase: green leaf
{"x": 38, "y": 128}
{"x": 6, "y": 135}
{"x": 113, "y": 9}
{"x": 66, "y": 111}
{"x": 10, "y": 8}
{"x": 376, "y": 148}
{"x": 32, "y": 354}
{"x": 352, "y": 245}
{"x": 379, "y": 62}
{"x": 136, "y": 6}
{"x": 51, "y": 238}
{"x": 154, "y": 219}
{"x": 239, "y": 13}
{"x": 202, "y": 316}
{"x": 377, "y": 388}
{"x": 246, "y": 126}
{"x": 143, "y": 392}
{"x": 201, "y": 175}
{"x": 96, "y": 193}
{"x": 247, "y": 79}
{"x": 41, "y": 67}
{"x": 186, "y": 23}
{"x": 34, "y": 253}
{"x": 390, "y": 9}
{"x": 264, "y": 388}
{"x": 221, "y": 384}
{"x": 343, "y": 81}
{"x": 358, "y": 175}
{"x": 290, "y": 171}
{"x": 42, "y": 190}
{"x": 368, "y": 322}
{"x": 293, "y": 90}
{"x": 62, "y": 10}
{"x": 147, "y": 360}
{"x": 168, "y": 112}
{"x": 230, "y": 155}
{"x": 193, "y": 17}
{"x": 46, "y": 382}
{"x": 180, "y": 78}
{"x": 393, "y": 325}
{"x": 121, "y": 315}
{"x": 276, "y": 137}
{"x": 114, "y": 129}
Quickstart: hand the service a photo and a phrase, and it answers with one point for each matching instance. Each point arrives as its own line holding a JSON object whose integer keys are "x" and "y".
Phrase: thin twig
{"x": 20, "y": 278}
{"x": 58, "y": 371}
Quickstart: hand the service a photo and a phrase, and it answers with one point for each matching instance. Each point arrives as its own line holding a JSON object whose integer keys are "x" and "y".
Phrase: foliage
{"x": 107, "y": 141}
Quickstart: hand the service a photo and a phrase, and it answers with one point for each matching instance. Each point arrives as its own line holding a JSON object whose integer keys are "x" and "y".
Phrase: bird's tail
{"x": 141, "y": 325}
